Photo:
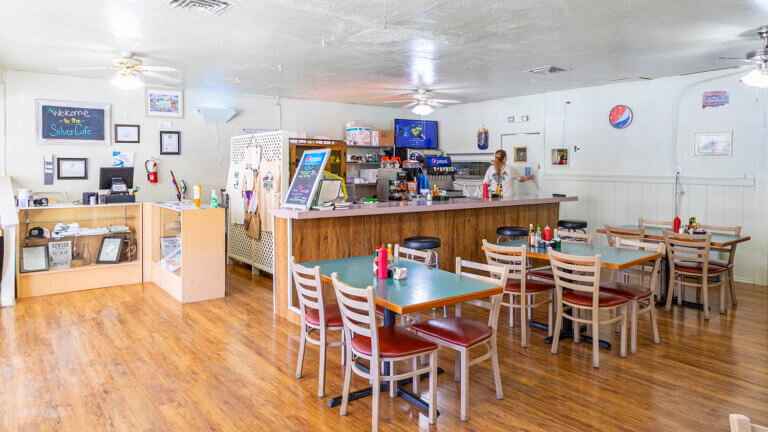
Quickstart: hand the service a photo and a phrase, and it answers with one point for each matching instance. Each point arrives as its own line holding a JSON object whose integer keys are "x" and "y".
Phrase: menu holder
{"x": 306, "y": 179}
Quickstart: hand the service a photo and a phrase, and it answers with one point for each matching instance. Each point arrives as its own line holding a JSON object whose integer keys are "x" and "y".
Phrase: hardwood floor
{"x": 131, "y": 358}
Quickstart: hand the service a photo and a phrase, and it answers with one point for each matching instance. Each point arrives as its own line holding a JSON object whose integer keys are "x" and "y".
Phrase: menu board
{"x": 72, "y": 122}
{"x": 305, "y": 181}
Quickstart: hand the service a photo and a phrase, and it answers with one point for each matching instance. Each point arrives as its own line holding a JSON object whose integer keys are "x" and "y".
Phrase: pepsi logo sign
{"x": 620, "y": 116}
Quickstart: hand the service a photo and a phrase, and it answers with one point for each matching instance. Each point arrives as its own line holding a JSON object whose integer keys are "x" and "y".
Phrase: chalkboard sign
{"x": 72, "y": 122}
{"x": 304, "y": 183}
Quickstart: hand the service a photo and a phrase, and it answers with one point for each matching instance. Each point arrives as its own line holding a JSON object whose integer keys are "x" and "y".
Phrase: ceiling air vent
{"x": 546, "y": 70}
{"x": 213, "y": 7}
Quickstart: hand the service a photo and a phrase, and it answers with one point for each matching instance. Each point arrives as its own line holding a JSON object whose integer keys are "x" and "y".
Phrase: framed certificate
{"x": 72, "y": 168}
{"x": 127, "y": 134}
{"x": 170, "y": 143}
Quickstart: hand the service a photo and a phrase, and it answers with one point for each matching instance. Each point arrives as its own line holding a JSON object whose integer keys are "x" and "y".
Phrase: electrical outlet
{"x": 678, "y": 170}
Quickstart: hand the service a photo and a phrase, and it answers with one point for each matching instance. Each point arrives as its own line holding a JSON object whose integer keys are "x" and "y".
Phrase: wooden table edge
{"x": 715, "y": 244}
{"x": 605, "y": 264}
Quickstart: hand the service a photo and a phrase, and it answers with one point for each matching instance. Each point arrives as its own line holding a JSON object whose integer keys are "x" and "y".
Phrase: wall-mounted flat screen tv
{"x": 416, "y": 133}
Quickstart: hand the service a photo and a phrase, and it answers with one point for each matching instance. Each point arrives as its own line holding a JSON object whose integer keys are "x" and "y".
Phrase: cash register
{"x": 118, "y": 181}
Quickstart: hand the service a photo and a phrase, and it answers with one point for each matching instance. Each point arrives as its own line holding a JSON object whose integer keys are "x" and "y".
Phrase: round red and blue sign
{"x": 620, "y": 116}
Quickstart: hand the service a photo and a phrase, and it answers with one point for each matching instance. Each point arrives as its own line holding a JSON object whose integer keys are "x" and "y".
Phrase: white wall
{"x": 620, "y": 175}
{"x": 204, "y": 146}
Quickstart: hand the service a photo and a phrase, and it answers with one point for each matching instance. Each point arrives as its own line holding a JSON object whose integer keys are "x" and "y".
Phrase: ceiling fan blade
{"x": 435, "y": 104}
{"x": 159, "y": 69}
{"x": 398, "y": 100}
{"x": 735, "y": 58}
{"x": 162, "y": 77}
{"x": 713, "y": 70}
{"x": 410, "y": 104}
{"x": 85, "y": 68}
{"x": 446, "y": 101}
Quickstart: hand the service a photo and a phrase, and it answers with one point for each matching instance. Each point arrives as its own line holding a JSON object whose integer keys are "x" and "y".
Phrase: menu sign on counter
{"x": 305, "y": 181}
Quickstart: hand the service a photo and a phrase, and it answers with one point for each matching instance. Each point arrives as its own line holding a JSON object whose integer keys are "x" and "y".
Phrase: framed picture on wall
{"x": 60, "y": 122}
{"x": 162, "y": 102}
{"x": 170, "y": 143}
{"x": 127, "y": 134}
{"x": 72, "y": 168}
{"x": 560, "y": 157}
{"x": 521, "y": 154}
{"x": 713, "y": 143}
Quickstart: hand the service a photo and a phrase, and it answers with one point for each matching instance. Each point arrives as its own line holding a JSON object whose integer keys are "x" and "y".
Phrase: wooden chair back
{"x": 575, "y": 237}
{"x": 358, "y": 312}
{"x": 622, "y": 242}
{"x": 612, "y": 232}
{"x": 655, "y": 223}
{"x": 413, "y": 255}
{"x": 688, "y": 248}
{"x": 579, "y": 273}
{"x": 733, "y": 230}
{"x": 309, "y": 289}
{"x": 513, "y": 257}
{"x": 492, "y": 274}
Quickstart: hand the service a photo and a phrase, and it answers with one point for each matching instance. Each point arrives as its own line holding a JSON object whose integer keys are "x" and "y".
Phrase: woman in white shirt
{"x": 502, "y": 174}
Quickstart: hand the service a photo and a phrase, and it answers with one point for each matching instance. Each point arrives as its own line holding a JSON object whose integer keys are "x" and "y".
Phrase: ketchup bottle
{"x": 383, "y": 261}
{"x": 547, "y": 233}
{"x": 677, "y": 224}
{"x": 485, "y": 190}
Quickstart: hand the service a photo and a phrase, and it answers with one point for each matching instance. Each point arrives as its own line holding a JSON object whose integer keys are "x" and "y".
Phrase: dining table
{"x": 423, "y": 289}
{"x": 610, "y": 258}
{"x": 718, "y": 240}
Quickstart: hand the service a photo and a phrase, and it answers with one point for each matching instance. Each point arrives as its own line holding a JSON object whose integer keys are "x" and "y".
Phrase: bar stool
{"x": 510, "y": 232}
{"x": 573, "y": 225}
{"x": 423, "y": 243}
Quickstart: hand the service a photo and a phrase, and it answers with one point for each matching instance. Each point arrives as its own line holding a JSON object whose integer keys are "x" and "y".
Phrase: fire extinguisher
{"x": 151, "y": 167}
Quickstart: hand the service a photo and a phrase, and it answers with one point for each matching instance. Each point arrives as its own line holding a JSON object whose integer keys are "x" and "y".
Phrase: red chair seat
{"x": 332, "y": 316}
{"x": 626, "y": 290}
{"x": 380, "y": 310}
{"x": 531, "y": 286}
{"x": 720, "y": 264}
{"x": 542, "y": 274}
{"x": 698, "y": 268}
{"x": 393, "y": 342}
{"x": 458, "y": 331}
{"x": 582, "y": 298}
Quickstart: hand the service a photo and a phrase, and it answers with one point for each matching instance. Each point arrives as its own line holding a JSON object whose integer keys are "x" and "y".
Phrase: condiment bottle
{"x": 547, "y": 233}
{"x": 382, "y": 262}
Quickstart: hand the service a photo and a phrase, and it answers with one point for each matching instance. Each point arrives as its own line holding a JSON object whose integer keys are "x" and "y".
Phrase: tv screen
{"x": 416, "y": 133}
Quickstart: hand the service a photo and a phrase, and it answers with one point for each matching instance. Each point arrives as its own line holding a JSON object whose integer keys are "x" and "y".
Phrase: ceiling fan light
{"x": 127, "y": 80}
{"x": 422, "y": 109}
{"x": 757, "y": 78}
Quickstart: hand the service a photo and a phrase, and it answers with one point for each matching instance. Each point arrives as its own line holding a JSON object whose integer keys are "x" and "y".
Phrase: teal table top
{"x": 611, "y": 257}
{"x": 424, "y": 287}
{"x": 718, "y": 239}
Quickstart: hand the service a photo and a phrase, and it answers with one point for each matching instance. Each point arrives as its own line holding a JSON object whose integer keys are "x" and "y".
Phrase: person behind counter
{"x": 501, "y": 174}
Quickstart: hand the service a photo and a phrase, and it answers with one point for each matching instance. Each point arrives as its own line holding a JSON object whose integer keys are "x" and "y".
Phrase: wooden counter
{"x": 461, "y": 224}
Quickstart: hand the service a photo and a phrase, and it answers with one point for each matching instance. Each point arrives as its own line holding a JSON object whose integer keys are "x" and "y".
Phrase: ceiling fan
{"x": 130, "y": 70}
{"x": 422, "y": 101}
{"x": 758, "y": 77}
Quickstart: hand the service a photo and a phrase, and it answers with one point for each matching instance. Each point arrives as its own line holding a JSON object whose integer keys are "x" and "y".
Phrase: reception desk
{"x": 460, "y": 223}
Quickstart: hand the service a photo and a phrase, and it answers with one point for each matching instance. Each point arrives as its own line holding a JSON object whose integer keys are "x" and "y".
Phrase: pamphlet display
{"x": 305, "y": 181}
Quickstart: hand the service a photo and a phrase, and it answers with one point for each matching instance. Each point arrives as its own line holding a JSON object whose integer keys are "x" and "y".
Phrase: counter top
{"x": 422, "y": 205}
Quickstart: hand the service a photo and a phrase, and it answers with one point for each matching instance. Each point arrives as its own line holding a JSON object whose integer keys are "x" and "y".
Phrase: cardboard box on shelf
{"x": 383, "y": 138}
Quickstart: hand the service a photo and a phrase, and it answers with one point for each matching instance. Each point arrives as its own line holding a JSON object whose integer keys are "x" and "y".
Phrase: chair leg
{"x": 321, "y": 372}
{"x": 416, "y": 377}
{"x": 550, "y": 313}
{"x": 670, "y": 293}
{"x": 496, "y": 369}
{"x": 302, "y": 345}
{"x": 576, "y": 325}
{"x": 343, "y": 350}
{"x": 531, "y": 300}
{"x": 432, "y": 387}
{"x": 623, "y": 350}
{"x": 464, "y": 384}
{"x": 347, "y": 381}
{"x": 393, "y": 384}
{"x": 524, "y": 299}
{"x": 732, "y": 287}
{"x": 511, "y": 311}
{"x": 633, "y": 329}
{"x": 654, "y": 326}
{"x": 376, "y": 388}
{"x": 457, "y": 368}
{"x": 722, "y": 294}
{"x": 595, "y": 339}
{"x": 680, "y": 294}
{"x": 558, "y": 325}
{"x": 705, "y": 300}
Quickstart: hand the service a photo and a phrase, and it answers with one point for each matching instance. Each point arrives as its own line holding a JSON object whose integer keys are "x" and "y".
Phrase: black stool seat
{"x": 572, "y": 224}
{"x": 511, "y": 231}
{"x": 421, "y": 242}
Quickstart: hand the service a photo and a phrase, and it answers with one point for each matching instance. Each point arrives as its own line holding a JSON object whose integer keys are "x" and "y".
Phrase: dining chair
{"x": 316, "y": 316}
{"x": 643, "y": 223}
{"x": 577, "y": 287}
{"x": 741, "y": 423}
{"x": 365, "y": 340}
{"x": 545, "y": 273}
{"x": 689, "y": 264}
{"x": 522, "y": 290}
{"x": 423, "y": 257}
{"x": 611, "y": 232}
{"x": 463, "y": 334}
{"x": 641, "y": 297}
{"x": 730, "y": 251}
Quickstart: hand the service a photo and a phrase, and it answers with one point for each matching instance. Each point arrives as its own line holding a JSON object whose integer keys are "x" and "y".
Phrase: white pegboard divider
{"x": 258, "y": 253}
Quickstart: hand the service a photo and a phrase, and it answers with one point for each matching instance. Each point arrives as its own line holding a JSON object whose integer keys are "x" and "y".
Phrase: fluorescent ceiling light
{"x": 422, "y": 109}
{"x": 756, "y": 78}
{"x": 127, "y": 80}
